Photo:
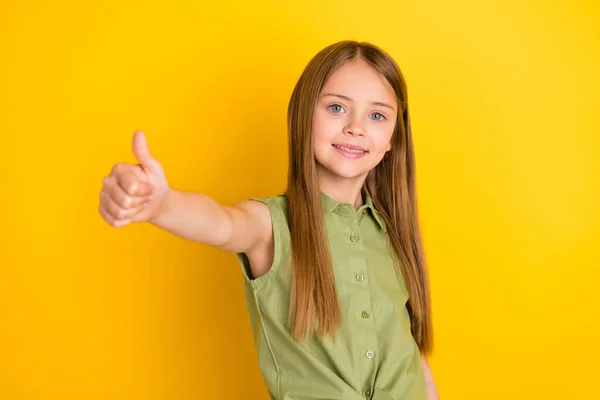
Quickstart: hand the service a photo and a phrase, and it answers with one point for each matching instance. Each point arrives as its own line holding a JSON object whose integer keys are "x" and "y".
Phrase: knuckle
{"x": 132, "y": 187}
{"x": 127, "y": 201}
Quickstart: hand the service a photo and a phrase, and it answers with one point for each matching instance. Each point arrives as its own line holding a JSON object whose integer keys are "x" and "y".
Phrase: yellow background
{"x": 504, "y": 100}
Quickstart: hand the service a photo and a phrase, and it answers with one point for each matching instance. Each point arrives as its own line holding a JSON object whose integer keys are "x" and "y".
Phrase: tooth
{"x": 356, "y": 151}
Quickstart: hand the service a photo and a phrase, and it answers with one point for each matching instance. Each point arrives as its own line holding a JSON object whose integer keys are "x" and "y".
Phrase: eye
{"x": 336, "y": 108}
{"x": 378, "y": 116}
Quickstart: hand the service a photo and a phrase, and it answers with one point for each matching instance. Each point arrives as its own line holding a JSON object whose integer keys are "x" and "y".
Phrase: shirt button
{"x": 369, "y": 354}
{"x": 354, "y": 238}
{"x": 365, "y": 314}
{"x": 360, "y": 277}
{"x": 368, "y": 393}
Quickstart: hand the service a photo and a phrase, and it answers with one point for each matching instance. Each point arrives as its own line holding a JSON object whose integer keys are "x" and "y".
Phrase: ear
{"x": 389, "y": 147}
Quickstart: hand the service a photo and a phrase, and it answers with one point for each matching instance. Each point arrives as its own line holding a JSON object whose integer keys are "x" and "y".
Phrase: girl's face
{"x": 353, "y": 122}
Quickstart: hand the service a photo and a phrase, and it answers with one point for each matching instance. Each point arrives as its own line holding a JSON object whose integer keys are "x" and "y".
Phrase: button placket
{"x": 354, "y": 243}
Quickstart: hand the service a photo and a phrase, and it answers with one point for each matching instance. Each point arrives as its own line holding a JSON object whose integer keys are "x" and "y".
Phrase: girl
{"x": 334, "y": 271}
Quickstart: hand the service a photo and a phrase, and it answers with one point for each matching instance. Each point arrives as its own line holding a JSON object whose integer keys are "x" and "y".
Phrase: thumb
{"x": 142, "y": 154}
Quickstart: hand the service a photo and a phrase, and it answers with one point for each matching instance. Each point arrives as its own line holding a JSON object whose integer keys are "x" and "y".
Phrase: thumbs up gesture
{"x": 134, "y": 192}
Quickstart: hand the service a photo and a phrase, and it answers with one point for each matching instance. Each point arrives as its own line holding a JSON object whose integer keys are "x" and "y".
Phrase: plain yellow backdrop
{"x": 504, "y": 102}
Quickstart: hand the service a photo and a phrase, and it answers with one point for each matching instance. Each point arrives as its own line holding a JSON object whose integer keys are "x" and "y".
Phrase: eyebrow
{"x": 375, "y": 103}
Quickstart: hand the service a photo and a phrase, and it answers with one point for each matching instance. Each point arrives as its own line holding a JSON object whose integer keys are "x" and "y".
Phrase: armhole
{"x": 243, "y": 258}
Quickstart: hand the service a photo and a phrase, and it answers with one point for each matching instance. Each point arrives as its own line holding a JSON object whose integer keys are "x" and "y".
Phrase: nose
{"x": 355, "y": 127}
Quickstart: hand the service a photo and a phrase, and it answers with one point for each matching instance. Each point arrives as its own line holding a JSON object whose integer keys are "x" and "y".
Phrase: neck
{"x": 343, "y": 190}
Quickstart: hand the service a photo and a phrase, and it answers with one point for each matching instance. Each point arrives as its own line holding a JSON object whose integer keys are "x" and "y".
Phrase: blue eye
{"x": 380, "y": 116}
{"x": 336, "y": 108}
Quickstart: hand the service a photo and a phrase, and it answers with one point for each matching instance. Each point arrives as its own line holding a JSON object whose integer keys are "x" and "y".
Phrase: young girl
{"x": 334, "y": 271}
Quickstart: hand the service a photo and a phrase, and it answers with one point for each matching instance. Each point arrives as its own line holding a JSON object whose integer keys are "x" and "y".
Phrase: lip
{"x": 348, "y": 154}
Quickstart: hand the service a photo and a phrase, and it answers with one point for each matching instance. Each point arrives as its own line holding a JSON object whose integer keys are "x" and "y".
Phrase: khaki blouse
{"x": 375, "y": 355}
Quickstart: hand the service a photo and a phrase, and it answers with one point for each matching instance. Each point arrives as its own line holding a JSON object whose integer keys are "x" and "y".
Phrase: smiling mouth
{"x": 349, "y": 150}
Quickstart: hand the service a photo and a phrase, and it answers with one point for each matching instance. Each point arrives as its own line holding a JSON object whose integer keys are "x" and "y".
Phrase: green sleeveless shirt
{"x": 375, "y": 355}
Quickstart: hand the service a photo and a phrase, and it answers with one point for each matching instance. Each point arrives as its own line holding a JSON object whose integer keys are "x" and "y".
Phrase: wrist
{"x": 162, "y": 208}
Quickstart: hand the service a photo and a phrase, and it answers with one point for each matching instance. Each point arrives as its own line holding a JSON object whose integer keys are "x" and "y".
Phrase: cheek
{"x": 324, "y": 129}
{"x": 383, "y": 138}
{"x": 318, "y": 136}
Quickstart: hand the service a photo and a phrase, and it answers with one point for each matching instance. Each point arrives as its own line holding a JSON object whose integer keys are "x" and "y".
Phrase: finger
{"x": 110, "y": 206}
{"x": 115, "y": 211}
{"x": 132, "y": 185}
{"x": 141, "y": 152}
{"x": 123, "y": 199}
{"x": 109, "y": 218}
{"x": 121, "y": 169}
{"x": 124, "y": 168}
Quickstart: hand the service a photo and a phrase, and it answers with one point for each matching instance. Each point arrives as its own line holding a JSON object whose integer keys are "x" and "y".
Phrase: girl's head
{"x": 351, "y": 95}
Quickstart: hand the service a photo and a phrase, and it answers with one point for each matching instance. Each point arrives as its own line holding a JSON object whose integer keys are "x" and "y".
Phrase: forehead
{"x": 357, "y": 80}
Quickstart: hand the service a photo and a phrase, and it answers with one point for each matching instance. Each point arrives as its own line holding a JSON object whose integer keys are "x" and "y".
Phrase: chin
{"x": 350, "y": 172}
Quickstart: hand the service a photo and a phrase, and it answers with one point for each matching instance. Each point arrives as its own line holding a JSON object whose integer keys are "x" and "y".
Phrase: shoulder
{"x": 256, "y": 212}
{"x": 263, "y": 211}
{"x": 267, "y": 215}
{"x": 263, "y": 207}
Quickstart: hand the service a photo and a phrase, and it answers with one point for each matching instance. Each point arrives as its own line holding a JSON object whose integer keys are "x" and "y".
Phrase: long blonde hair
{"x": 391, "y": 184}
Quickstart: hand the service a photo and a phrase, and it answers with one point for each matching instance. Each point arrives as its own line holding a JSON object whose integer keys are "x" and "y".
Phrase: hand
{"x": 134, "y": 192}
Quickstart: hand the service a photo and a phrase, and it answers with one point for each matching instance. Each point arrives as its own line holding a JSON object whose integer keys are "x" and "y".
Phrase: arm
{"x": 140, "y": 193}
{"x": 432, "y": 393}
{"x": 198, "y": 217}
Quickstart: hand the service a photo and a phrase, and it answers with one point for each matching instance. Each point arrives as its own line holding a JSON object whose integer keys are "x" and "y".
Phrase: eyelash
{"x": 383, "y": 118}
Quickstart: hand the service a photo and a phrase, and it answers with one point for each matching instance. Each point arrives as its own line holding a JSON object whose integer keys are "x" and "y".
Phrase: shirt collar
{"x": 329, "y": 205}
